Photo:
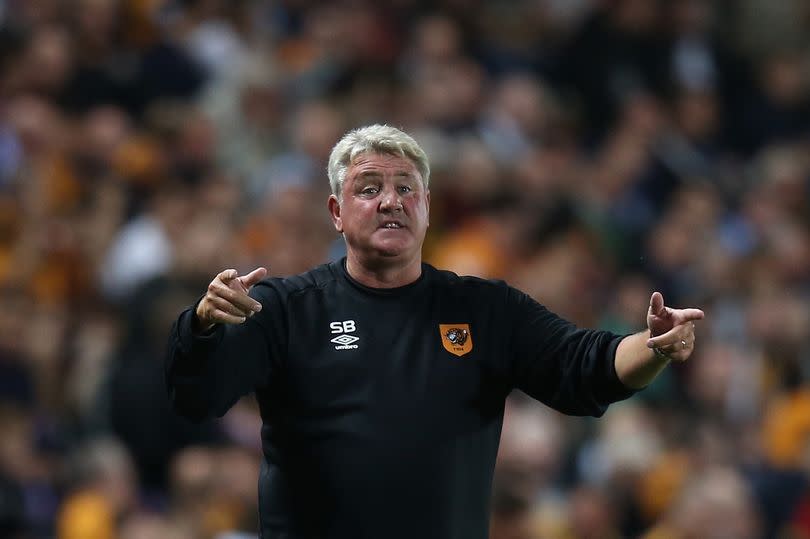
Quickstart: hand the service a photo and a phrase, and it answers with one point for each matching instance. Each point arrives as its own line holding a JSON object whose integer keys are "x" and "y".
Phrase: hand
{"x": 227, "y": 300}
{"x": 672, "y": 331}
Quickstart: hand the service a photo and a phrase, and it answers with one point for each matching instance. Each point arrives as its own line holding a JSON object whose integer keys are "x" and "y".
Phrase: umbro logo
{"x": 344, "y": 341}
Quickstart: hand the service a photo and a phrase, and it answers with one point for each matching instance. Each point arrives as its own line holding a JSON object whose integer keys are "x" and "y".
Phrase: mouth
{"x": 391, "y": 225}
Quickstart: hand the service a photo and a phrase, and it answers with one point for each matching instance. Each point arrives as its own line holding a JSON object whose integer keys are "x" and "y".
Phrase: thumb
{"x": 253, "y": 277}
{"x": 228, "y": 275}
{"x": 657, "y": 304}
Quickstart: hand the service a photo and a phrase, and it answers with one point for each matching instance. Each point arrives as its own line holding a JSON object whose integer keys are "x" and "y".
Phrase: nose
{"x": 390, "y": 201}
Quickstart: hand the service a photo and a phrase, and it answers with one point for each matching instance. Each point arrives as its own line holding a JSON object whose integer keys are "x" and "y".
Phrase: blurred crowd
{"x": 587, "y": 151}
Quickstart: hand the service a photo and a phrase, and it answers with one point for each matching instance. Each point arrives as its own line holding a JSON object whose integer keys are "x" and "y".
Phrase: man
{"x": 381, "y": 380}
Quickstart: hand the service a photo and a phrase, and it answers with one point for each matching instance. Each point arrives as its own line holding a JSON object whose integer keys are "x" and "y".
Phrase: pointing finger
{"x": 685, "y": 315}
{"x": 253, "y": 277}
{"x": 236, "y": 296}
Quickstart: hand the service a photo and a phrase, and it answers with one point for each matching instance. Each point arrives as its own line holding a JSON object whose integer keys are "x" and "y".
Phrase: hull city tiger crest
{"x": 456, "y": 338}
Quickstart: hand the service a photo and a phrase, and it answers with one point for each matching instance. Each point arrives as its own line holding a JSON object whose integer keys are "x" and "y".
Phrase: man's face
{"x": 384, "y": 212}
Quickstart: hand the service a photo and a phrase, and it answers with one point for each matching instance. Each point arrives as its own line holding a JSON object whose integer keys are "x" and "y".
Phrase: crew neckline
{"x": 339, "y": 267}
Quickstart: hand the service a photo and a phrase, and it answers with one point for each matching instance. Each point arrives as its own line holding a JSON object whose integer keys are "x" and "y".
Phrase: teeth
{"x": 391, "y": 225}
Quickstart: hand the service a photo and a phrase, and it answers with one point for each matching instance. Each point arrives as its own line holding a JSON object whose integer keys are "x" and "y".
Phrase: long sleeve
{"x": 568, "y": 368}
{"x": 207, "y": 374}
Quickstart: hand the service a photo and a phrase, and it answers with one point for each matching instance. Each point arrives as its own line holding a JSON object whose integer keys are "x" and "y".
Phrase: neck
{"x": 382, "y": 275}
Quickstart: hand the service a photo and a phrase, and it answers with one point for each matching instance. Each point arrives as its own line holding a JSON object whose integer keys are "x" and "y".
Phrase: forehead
{"x": 379, "y": 163}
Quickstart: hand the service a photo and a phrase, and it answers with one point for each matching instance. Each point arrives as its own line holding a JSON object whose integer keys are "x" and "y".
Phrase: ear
{"x": 334, "y": 211}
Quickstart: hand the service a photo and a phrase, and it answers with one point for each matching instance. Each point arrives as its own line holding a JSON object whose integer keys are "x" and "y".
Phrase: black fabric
{"x": 392, "y": 436}
{"x": 12, "y": 508}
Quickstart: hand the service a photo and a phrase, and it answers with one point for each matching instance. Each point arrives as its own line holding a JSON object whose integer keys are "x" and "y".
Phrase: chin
{"x": 391, "y": 248}
{"x": 387, "y": 252}
{"x": 391, "y": 253}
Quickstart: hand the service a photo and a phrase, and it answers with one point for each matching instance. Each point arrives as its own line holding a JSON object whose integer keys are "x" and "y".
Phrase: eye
{"x": 404, "y": 189}
{"x": 370, "y": 190}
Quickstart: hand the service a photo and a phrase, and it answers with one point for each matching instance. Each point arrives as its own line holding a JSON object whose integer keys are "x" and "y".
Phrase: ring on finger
{"x": 683, "y": 343}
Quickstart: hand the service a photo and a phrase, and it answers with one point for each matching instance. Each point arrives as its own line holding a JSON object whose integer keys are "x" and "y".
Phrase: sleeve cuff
{"x": 195, "y": 348}
{"x": 615, "y": 388}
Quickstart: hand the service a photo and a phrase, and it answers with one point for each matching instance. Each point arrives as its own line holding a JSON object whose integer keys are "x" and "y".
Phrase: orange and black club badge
{"x": 456, "y": 338}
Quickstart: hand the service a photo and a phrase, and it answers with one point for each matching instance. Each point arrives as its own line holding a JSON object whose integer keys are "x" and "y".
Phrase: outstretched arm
{"x": 670, "y": 336}
{"x": 219, "y": 350}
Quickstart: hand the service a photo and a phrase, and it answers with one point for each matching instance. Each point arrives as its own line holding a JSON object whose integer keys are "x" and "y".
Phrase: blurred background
{"x": 588, "y": 151}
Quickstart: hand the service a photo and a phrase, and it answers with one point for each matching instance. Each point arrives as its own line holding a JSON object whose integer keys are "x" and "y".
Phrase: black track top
{"x": 382, "y": 408}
